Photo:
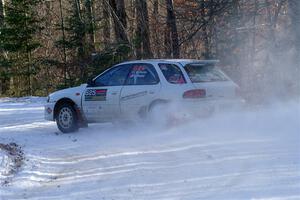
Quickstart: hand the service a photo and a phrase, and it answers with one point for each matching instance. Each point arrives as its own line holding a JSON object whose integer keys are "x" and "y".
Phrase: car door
{"x": 173, "y": 80}
{"x": 140, "y": 89}
{"x": 101, "y": 99}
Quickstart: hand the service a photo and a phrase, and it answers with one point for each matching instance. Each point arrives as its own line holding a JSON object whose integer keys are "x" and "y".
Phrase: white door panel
{"x": 101, "y": 103}
{"x": 136, "y": 97}
{"x": 141, "y": 88}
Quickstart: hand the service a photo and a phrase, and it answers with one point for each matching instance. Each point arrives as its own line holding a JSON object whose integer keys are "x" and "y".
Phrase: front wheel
{"x": 66, "y": 119}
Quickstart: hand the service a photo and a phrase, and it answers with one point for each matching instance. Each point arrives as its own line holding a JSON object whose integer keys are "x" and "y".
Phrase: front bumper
{"x": 49, "y": 111}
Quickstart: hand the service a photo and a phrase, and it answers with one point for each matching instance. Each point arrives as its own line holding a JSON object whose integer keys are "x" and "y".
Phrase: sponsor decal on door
{"x": 95, "y": 95}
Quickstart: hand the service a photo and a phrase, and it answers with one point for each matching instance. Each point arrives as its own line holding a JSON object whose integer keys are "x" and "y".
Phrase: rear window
{"x": 204, "y": 73}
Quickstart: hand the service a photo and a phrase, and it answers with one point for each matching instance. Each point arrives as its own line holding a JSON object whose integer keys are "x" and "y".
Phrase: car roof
{"x": 183, "y": 62}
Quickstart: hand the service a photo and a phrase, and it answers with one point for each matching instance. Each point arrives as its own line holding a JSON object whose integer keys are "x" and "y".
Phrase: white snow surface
{"x": 250, "y": 154}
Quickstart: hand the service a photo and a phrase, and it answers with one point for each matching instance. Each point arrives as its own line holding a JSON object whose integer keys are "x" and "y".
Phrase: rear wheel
{"x": 166, "y": 114}
{"x": 66, "y": 119}
{"x": 158, "y": 113}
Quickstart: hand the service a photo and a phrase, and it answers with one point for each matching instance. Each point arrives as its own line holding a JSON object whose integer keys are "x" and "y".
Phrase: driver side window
{"x": 142, "y": 74}
{"x": 113, "y": 77}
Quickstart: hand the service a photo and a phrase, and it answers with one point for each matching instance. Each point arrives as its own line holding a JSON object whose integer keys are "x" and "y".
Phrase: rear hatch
{"x": 209, "y": 79}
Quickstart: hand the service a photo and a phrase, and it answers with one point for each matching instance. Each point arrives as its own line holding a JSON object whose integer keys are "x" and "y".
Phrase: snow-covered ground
{"x": 253, "y": 154}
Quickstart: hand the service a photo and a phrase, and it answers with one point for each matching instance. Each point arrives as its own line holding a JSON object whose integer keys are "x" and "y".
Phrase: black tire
{"x": 164, "y": 114}
{"x": 154, "y": 105}
{"x": 66, "y": 118}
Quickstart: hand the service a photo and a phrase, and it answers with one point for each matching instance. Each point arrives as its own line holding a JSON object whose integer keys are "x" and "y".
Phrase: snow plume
{"x": 265, "y": 59}
{"x": 277, "y": 119}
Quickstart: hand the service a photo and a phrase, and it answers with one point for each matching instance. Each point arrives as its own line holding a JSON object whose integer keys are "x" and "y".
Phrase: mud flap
{"x": 82, "y": 122}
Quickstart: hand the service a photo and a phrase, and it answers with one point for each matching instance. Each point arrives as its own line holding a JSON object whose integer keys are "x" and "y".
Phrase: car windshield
{"x": 204, "y": 73}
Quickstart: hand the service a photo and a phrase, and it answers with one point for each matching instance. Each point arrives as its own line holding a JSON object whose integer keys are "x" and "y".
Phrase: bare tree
{"x": 294, "y": 10}
{"x": 90, "y": 23}
{"x": 64, "y": 42}
{"x": 142, "y": 30}
{"x": 106, "y": 23}
{"x": 155, "y": 28}
{"x": 2, "y": 81}
{"x": 294, "y": 6}
{"x": 119, "y": 17}
{"x": 1, "y": 12}
{"x": 171, "y": 37}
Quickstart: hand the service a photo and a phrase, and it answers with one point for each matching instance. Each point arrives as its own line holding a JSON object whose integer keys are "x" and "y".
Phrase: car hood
{"x": 68, "y": 93}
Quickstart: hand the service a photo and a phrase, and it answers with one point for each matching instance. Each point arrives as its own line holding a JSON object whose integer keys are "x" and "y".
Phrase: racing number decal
{"x": 95, "y": 95}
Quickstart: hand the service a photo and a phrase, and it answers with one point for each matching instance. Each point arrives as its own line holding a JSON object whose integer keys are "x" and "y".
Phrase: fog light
{"x": 49, "y": 110}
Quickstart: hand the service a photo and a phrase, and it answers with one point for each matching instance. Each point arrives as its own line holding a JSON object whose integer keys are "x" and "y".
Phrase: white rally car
{"x": 131, "y": 90}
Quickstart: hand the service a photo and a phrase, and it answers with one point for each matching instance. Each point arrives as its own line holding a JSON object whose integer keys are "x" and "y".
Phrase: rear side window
{"x": 142, "y": 74}
{"x": 204, "y": 73}
{"x": 172, "y": 73}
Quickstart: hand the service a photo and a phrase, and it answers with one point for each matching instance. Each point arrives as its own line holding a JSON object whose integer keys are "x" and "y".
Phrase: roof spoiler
{"x": 204, "y": 62}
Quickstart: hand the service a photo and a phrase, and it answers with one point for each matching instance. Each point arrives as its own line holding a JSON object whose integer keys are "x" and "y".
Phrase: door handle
{"x": 114, "y": 93}
{"x": 151, "y": 92}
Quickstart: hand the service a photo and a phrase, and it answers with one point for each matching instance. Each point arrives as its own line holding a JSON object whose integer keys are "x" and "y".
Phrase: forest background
{"x": 46, "y": 45}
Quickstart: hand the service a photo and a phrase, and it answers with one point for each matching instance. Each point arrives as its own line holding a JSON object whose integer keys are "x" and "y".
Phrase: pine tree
{"x": 17, "y": 42}
{"x": 2, "y": 69}
{"x": 77, "y": 40}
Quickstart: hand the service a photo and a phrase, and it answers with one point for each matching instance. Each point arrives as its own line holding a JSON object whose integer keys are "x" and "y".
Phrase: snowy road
{"x": 245, "y": 155}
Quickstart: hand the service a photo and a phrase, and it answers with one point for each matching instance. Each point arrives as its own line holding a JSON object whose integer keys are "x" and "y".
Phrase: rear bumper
{"x": 49, "y": 111}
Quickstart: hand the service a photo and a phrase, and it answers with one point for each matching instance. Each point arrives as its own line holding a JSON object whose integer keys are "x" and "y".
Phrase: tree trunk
{"x": 2, "y": 80}
{"x": 64, "y": 40}
{"x": 294, "y": 10}
{"x": 253, "y": 46}
{"x": 156, "y": 28}
{"x": 106, "y": 23}
{"x": 206, "y": 53}
{"x": 171, "y": 37}
{"x": 80, "y": 34}
{"x": 294, "y": 6}
{"x": 1, "y": 12}
{"x": 90, "y": 24}
{"x": 142, "y": 30}
{"x": 119, "y": 17}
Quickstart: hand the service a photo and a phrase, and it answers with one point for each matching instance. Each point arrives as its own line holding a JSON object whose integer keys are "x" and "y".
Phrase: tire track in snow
{"x": 170, "y": 159}
{"x": 21, "y": 127}
{"x": 213, "y": 183}
{"x": 147, "y": 165}
{"x": 183, "y": 147}
{"x": 192, "y": 187}
{"x": 144, "y": 163}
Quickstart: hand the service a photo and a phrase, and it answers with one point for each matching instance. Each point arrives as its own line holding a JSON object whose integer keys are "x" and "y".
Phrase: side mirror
{"x": 90, "y": 82}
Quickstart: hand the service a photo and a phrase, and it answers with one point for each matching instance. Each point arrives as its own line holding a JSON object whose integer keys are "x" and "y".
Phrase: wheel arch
{"x": 156, "y": 102}
{"x": 62, "y": 101}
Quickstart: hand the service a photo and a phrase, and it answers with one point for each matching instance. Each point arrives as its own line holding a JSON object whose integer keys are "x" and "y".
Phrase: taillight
{"x": 194, "y": 94}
